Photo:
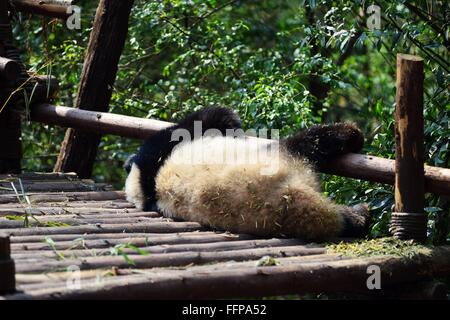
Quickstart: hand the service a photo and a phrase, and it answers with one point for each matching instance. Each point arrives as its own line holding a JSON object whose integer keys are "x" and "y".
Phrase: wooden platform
{"x": 89, "y": 242}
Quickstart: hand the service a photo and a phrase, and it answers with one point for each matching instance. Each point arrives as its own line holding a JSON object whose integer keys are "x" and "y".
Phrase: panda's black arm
{"x": 149, "y": 159}
{"x": 157, "y": 148}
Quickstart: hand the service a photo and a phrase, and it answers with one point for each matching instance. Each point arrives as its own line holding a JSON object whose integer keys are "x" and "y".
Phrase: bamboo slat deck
{"x": 89, "y": 242}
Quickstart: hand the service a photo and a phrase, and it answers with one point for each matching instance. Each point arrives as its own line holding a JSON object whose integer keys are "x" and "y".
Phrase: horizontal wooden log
{"x": 371, "y": 168}
{"x": 164, "y": 248}
{"x": 9, "y": 69}
{"x": 149, "y": 239}
{"x": 300, "y": 278}
{"x": 30, "y": 281}
{"x": 70, "y": 237}
{"x": 52, "y": 186}
{"x": 40, "y": 176}
{"x": 70, "y": 196}
{"x": 167, "y": 259}
{"x": 47, "y": 221}
{"x": 48, "y": 8}
{"x": 97, "y": 122}
{"x": 376, "y": 169}
{"x": 157, "y": 227}
{"x": 76, "y": 212}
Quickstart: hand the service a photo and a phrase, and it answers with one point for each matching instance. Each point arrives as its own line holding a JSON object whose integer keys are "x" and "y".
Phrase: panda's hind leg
{"x": 321, "y": 143}
{"x": 356, "y": 221}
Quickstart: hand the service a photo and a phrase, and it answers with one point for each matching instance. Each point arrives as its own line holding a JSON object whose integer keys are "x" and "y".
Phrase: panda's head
{"x": 133, "y": 185}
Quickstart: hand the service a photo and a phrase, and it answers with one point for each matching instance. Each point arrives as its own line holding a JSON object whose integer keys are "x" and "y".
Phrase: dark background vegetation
{"x": 282, "y": 64}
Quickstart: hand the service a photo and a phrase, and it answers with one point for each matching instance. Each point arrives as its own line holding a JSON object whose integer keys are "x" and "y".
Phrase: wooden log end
{"x": 9, "y": 69}
{"x": 7, "y": 267}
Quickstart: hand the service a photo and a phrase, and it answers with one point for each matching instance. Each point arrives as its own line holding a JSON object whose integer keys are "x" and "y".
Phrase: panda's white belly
{"x": 242, "y": 186}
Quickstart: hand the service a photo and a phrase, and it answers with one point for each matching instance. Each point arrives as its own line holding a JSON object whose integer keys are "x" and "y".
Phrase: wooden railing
{"x": 358, "y": 166}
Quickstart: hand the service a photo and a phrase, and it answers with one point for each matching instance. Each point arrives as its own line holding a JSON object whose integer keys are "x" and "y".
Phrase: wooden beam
{"x": 66, "y": 196}
{"x": 79, "y": 149}
{"x": 97, "y": 122}
{"x": 169, "y": 259}
{"x": 154, "y": 227}
{"x": 409, "y": 220}
{"x": 376, "y": 169}
{"x": 48, "y": 8}
{"x": 358, "y": 166}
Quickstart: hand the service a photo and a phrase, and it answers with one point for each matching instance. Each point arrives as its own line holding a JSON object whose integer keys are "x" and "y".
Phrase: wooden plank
{"x": 70, "y": 237}
{"x": 164, "y": 248}
{"x": 52, "y": 186}
{"x": 77, "y": 212}
{"x": 29, "y": 281}
{"x": 156, "y": 227}
{"x": 97, "y": 241}
{"x": 68, "y": 196}
{"x": 45, "y": 221}
{"x": 171, "y": 259}
{"x": 43, "y": 176}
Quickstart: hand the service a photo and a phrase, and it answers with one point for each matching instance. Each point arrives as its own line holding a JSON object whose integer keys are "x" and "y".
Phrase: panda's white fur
{"x": 133, "y": 187}
{"x": 263, "y": 193}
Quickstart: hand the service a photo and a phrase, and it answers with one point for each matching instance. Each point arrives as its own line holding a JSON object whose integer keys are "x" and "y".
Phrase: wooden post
{"x": 7, "y": 268}
{"x": 79, "y": 149}
{"x": 10, "y": 143}
{"x": 409, "y": 220}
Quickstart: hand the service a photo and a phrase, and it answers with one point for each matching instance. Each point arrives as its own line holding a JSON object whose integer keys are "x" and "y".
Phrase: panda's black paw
{"x": 357, "y": 221}
{"x": 151, "y": 206}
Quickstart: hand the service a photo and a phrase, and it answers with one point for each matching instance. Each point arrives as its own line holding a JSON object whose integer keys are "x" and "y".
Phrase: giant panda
{"x": 244, "y": 185}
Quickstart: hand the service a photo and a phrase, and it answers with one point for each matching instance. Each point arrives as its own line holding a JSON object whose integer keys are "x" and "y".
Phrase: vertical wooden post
{"x": 7, "y": 268}
{"x": 409, "y": 220}
{"x": 79, "y": 149}
{"x": 10, "y": 121}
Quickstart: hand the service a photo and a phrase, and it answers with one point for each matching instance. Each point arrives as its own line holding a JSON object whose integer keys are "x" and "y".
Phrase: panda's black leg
{"x": 321, "y": 143}
{"x": 356, "y": 221}
{"x": 150, "y": 205}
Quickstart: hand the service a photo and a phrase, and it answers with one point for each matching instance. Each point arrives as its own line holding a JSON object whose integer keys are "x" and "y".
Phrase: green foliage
{"x": 281, "y": 64}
